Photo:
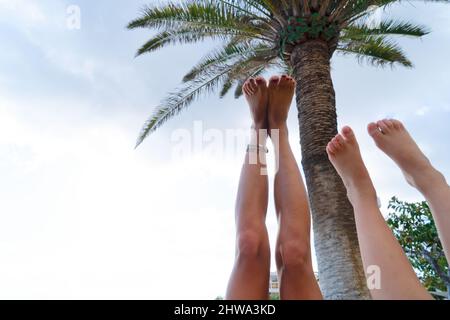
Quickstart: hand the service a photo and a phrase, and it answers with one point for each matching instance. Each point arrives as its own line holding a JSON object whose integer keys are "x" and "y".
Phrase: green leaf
{"x": 183, "y": 36}
{"x": 199, "y": 13}
{"x": 178, "y": 100}
{"x": 377, "y": 51}
{"x": 390, "y": 27}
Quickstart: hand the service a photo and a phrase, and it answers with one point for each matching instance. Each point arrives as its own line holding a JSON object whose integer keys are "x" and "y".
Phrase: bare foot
{"x": 394, "y": 140}
{"x": 343, "y": 152}
{"x": 256, "y": 93}
{"x": 281, "y": 92}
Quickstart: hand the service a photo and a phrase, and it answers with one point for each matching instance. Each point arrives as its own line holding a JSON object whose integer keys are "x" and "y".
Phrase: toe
{"x": 348, "y": 134}
{"x": 397, "y": 124}
{"x": 339, "y": 141}
{"x": 330, "y": 149}
{"x": 383, "y": 127}
{"x": 252, "y": 85}
{"x": 291, "y": 81}
{"x": 374, "y": 130}
{"x": 274, "y": 81}
{"x": 389, "y": 123}
{"x": 284, "y": 79}
{"x": 260, "y": 81}
{"x": 246, "y": 89}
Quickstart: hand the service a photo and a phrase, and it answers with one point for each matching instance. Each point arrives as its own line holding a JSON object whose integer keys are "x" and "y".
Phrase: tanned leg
{"x": 250, "y": 275}
{"x": 293, "y": 251}
{"x": 378, "y": 245}
{"x": 392, "y": 138}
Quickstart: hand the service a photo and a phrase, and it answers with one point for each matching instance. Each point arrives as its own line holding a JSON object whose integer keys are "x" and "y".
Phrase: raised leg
{"x": 250, "y": 276}
{"x": 392, "y": 138}
{"x": 293, "y": 251}
{"x": 380, "y": 250}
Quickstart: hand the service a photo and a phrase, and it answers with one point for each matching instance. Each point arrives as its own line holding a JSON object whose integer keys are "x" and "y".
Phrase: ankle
{"x": 279, "y": 129}
{"x": 260, "y": 125}
{"x": 360, "y": 188}
{"x": 258, "y": 135}
{"x": 362, "y": 195}
{"x": 428, "y": 181}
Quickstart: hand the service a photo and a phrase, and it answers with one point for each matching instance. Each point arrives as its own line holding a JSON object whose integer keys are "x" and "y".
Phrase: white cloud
{"x": 27, "y": 12}
{"x": 422, "y": 111}
{"x": 86, "y": 216}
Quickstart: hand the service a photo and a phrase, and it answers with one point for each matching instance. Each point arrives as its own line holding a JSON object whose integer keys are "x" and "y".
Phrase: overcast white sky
{"x": 84, "y": 215}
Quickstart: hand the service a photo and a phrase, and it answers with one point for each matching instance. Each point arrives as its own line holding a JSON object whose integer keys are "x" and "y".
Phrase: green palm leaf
{"x": 228, "y": 53}
{"x": 391, "y": 27}
{"x": 185, "y": 36}
{"x": 252, "y": 31}
{"x": 208, "y": 80}
{"x": 377, "y": 51}
{"x": 178, "y": 100}
{"x": 193, "y": 14}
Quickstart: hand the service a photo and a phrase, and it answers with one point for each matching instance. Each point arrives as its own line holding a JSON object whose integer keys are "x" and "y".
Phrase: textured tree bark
{"x": 341, "y": 274}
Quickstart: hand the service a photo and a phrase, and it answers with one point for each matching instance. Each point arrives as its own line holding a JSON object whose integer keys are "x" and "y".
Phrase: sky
{"x": 83, "y": 215}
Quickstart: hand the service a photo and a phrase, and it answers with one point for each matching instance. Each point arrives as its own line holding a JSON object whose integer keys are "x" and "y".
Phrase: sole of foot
{"x": 394, "y": 140}
{"x": 281, "y": 93}
{"x": 343, "y": 152}
{"x": 256, "y": 93}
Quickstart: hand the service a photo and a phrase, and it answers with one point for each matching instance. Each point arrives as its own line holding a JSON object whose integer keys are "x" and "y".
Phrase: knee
{"x": 294, "y": 255}
{"x": 250, "y": 245}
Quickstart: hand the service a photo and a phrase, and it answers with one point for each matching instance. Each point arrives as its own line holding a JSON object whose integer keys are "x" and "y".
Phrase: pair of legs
{"x": 269, "y": 106}
{"x": 378, "y": 245}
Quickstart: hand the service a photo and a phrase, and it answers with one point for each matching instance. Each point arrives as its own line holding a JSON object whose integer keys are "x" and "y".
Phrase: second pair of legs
{"x": 377, "y": 243}
{"x": 269, "y": 105}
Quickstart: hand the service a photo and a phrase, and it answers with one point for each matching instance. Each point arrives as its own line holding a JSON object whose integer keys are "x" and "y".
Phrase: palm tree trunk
{"x": 341, "y": 274}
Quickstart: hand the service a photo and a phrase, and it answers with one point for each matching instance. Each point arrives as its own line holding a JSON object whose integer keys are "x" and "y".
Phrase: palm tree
{"x": 299, "y": 36}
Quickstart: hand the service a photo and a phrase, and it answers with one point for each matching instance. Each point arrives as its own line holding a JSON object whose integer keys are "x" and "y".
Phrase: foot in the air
{"x": 256, "y": 93}
{"x": 394, "y": 140}
{"x": 343, "y": 152}
{"x": 281, "y": 92}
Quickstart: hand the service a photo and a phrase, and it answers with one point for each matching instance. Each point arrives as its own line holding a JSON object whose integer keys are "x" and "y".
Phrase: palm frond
{"x": 178, "y": 100}
{"x": 377, "y": 51}
{"x": 199, "y": 13}
{"x": 250, "y": 7}
{"x": 390, "y": 27}
{"x": 238, "y": 81}
{"x": 207, "y": 81}
{"x": 251, "y": 31}
{"x": 226, "y": 87}
{"x": 274, "y": 7}
{"x": 188, "y": 36}
{"x": 384, "y": 3}
{"x": 238, "y": 92}
{"x": 223, "y": 56}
